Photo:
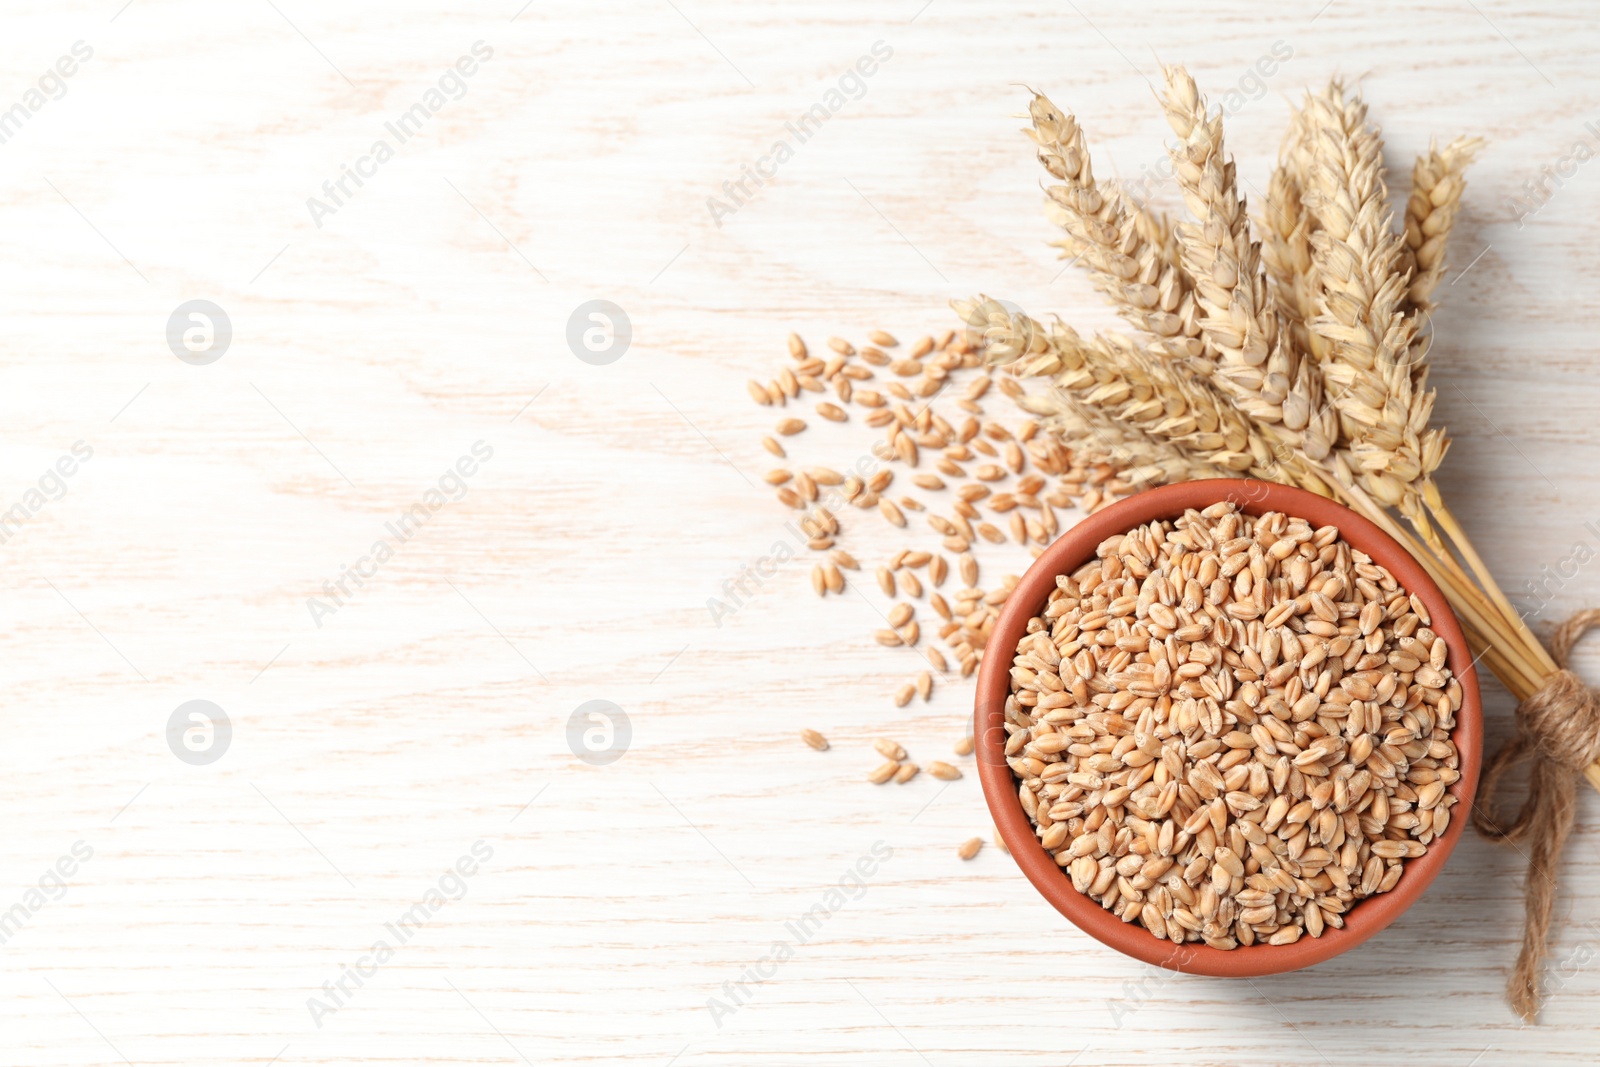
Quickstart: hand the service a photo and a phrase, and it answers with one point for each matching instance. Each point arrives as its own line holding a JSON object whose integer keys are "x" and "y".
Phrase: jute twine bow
{"x": 1559, "y": 726}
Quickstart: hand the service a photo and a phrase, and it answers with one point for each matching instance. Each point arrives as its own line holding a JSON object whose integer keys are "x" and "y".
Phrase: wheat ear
{"x": 1361, "y": 295}
{"x": 1258, "y": 366}
{"x": 1141, "y": 460}
{"x": 1136, "y": 388}
{"x": 1126, "y": 250}
{"x": 1375, "y": 371}
{"x": 1027, "y": 349}
{"x": 1437, "y": 181}
{"x": 1286, "y": 225}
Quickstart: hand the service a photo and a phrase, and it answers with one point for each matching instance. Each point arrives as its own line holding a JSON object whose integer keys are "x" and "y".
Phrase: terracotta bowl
{"x": 1076, "y": 547}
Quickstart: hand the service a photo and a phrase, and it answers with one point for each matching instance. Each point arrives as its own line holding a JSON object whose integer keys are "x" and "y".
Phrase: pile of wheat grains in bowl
{"x": 1230, "y": 728}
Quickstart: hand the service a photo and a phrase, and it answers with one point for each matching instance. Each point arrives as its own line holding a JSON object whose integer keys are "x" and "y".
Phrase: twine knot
{"x": 1562, "y": 721}
{"x": 1559, "y": 724}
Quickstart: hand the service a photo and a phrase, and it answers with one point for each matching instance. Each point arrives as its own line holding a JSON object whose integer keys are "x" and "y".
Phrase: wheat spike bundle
{"x": 1295, "y": 349}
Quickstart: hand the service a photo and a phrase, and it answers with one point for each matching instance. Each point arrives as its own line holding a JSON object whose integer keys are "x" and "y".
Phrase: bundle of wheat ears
{"x": 1295, "y": 349}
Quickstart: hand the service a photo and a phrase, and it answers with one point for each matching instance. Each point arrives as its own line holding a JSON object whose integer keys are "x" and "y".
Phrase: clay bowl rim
{"x": 1075, "y": 547}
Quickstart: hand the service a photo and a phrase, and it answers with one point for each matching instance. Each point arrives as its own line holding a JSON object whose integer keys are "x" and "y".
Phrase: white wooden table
{"x": 429, "y": 311}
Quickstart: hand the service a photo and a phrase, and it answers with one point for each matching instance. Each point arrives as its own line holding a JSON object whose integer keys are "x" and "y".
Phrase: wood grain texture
{"x": 430, "y": 712}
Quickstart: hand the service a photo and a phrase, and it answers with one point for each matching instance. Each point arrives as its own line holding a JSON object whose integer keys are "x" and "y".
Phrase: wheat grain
{"x": 814, "y": 739}
{"x": 825, "y": 475}
{"x": 883, "y": 772}
{"x": 886, "y": 581}
{"x": 833, "y": 578}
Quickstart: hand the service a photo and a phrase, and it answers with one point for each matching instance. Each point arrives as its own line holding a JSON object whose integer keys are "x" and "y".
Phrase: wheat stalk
{"x": 1375, "y": 365}
{"x": 1437, "y": 183}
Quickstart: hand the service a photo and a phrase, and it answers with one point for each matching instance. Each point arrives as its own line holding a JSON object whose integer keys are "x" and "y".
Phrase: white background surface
{"x": 369, "y": 353}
